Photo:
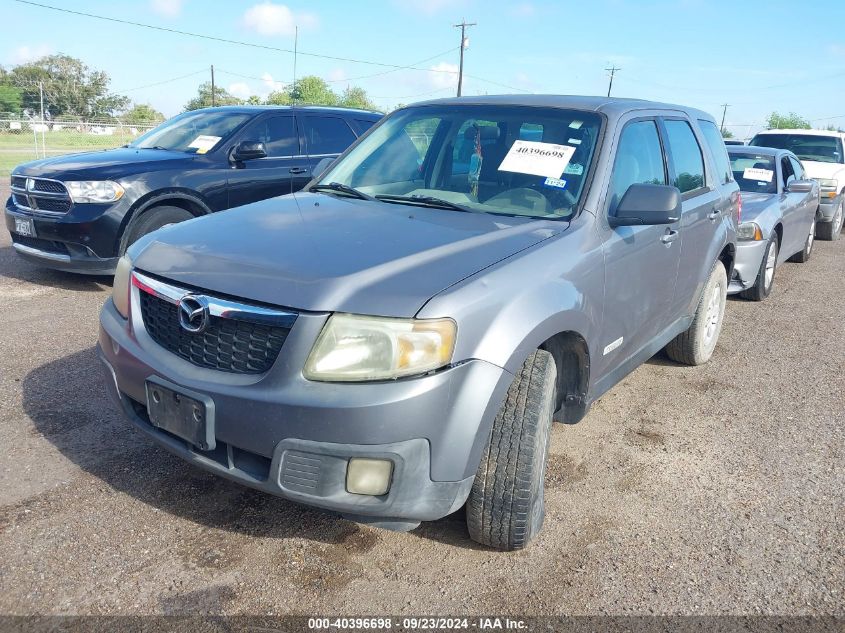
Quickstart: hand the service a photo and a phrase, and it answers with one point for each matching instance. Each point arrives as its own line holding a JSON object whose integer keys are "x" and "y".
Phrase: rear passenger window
{"x": 639, "y": 159}
{"x": 364, "y": 124}
{"x": 685, "y": 155}
{"x": 327, "y": 135}
{"x": 714, "y": 140}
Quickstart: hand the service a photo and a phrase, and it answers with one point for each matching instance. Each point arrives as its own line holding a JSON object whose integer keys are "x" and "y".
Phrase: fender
{"x": 154, "y": 198}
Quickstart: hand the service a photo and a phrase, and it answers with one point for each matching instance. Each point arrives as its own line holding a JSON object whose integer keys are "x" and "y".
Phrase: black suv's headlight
{"x": 97, "y": 191}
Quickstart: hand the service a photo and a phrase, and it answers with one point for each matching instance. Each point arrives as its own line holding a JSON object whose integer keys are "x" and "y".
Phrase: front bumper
{"x": 432, "y": 428}
{"x": 82, "y": 240}
{"x": 749, "y": 256}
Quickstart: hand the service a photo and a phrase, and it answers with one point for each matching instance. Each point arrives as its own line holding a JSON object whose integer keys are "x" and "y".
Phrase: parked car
{"x": 779, "y": 206}
{"x": 80, "y": 212}
{"x": 394, "y": 341}
{"x": 821, "y": 153}
{"x": 733, "y": 141}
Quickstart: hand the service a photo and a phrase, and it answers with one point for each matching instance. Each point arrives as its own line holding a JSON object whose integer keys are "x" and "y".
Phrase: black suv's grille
{"x": 19, "y": 182}
{"x": 49, "y": 186}
{"x": 226, "y": 344}
{"x": 57, "y": 205}
{"x": 39, "y": 194}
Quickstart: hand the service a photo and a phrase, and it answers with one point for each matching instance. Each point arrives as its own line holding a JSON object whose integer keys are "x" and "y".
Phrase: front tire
{"x": 153, "y": 219}
{"x": 766, "y": 274}
{"x": 696, "y": 345}
{"x": 831, "y": 231}
{"x": 506, "y": 508}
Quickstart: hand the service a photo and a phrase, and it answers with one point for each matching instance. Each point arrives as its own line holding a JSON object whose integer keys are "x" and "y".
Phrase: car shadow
{"x": 15, "y": 267}
{"x": 68, "y": 403}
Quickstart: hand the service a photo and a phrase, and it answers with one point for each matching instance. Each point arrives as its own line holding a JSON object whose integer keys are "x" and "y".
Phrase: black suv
{"x": 79, "y": 212}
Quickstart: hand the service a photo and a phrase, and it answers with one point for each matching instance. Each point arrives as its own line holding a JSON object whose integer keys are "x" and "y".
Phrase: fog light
{"x": 368, "y": 476}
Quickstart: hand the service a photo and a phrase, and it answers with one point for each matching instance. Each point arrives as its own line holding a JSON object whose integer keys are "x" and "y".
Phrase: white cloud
{"x": 836, "y": 49}
{"x": 268, "y": 18}
{"x": 524, "y": 10}
{"x": 446, "y": 75}
{"x": 24, "y": 54}
{"x": 336, "y": 75}
{"x": 167, "y": 8}
{"x": 240, "y": 89}
{"x": 270, "y": 85}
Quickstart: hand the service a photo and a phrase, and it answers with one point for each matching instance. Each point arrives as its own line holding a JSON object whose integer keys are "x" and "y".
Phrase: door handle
{"x": 715, "y": 214}
{"x": 297, "y": 170}
{"x": 669, "y": 236}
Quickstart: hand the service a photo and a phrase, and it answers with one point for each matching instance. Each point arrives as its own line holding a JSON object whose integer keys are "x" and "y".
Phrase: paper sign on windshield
{"x": 538, "y": 159}
{"x": 204, "y": 143}
{"x": 752, "y": 173}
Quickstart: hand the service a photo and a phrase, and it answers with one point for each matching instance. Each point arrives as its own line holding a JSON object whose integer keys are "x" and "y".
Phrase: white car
{"x": 821, "y": 152}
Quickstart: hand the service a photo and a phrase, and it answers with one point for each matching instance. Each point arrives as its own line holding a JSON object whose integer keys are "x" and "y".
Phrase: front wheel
{"x": 696, "y": 345}
{"x": 831, "y": 231}
{"x": 766, "y": 274}
{"x": 153, "y": 219}
{"x": 505, "y": 508}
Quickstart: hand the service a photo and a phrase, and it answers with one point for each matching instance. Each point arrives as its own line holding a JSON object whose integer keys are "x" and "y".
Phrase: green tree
{"x": 279, "y": 97}
{"x": 70, "y": 88}
{"x": 356, "y": 97}
{"x": 142, "y": 113}
{"x": 791, "y": 121}
{"x": 10, "y": 99}
{"x": 312, "y": 90}
{"x": 254, "y": 100}
{"x": 727, "y": 133}
{"x": 203, "y": 98}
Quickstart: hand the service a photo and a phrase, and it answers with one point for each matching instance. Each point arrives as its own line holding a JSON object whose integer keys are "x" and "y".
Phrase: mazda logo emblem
{"x": 193, "y": 314}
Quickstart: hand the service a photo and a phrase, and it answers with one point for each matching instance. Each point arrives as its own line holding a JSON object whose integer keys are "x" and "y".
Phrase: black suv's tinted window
{"x": 278, "y": 134}
{"x": 327, "y": 135}
{"x": 364, "y": 124}
{"x": 639, "y": 159}
{"x": 686, "y": 156}
{"x": 714, "y": 141}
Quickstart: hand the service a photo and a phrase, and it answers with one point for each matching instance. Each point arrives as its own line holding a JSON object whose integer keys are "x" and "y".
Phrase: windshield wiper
{"x": 426, "y": 201}
{"x": 341, "y": 188}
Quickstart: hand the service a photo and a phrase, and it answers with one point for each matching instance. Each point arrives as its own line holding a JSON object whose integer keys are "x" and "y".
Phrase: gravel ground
{"x": 708, "y": 490}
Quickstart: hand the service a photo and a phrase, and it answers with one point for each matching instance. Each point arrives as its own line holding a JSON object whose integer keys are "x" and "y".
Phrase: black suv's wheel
{"x": 803, "y": 255}
{"x": 505, "y": 508}
{"x": 766, "y": 274}
{"x": 696, "y": 345}
{"x": 153, "y": 219}
{"x": 830, "y": 231}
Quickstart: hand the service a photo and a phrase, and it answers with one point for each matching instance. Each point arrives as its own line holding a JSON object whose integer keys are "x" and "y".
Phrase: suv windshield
{"x": 754, "y": 172}
{"x": 510, "y": 160}
{"x": 195, "y": 132}
{"x": 823, "y": 149}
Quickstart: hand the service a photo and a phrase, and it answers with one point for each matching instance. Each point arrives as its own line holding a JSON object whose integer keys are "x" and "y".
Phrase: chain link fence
{"x": 23, "y": 139}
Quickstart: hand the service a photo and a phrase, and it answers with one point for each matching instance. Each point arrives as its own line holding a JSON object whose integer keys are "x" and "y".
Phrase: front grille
{"x": 50, "y": 186}
{"x": 19, "y": 182}
{"x": 49, "y": 246}
{"x": 226, "y": 345}
{"x": 56, "y": 205}
{"x": 20, "y": 200}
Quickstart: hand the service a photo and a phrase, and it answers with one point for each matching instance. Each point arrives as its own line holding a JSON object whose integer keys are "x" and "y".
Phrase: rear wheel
{"x": 696, "y": 345}
{"x": 766, "y": 274}
{"x": 153, "y": 219}
{"x": 505, "y": 508}
{"x": 804, "y": 255}
{"x": 830, "y": 231}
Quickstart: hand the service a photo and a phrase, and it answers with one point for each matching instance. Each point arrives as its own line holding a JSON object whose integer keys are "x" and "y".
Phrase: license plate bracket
{"x": 186, "y": 414}
{"x": 25, "y": 227}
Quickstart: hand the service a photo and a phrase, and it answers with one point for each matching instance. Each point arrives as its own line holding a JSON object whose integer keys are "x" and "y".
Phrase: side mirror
{"x": 248, "y": 150}
{"x": 321, "y": 167}
{"x": 645, "y": 204}
{"x": 800, "y": 186}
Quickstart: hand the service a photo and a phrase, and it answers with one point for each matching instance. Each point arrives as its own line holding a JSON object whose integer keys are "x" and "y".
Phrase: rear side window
{"x": 686, "y": 156}
{"x": 714, "y": 141}
{"x": 364, "y": 124}
{"x": 639, "y": 159}
{"x": 327, "y": 135}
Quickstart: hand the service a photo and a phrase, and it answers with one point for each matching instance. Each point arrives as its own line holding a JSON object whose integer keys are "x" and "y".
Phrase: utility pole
{"x": 463, "y": 26}
{"x": 213, "y": 90}
{"x": 43, "y": 145}
{"x": 724, "y": 112}
{"x": 295, "y": 45}
{"x": 612, "y": 70}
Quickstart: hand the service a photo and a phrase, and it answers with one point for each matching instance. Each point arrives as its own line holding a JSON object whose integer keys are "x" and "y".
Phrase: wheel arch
{"x": 572, "y": 359}
{"x": 188, "y": 200}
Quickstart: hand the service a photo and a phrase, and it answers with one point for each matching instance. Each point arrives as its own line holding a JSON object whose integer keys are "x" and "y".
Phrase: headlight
{"x": 94, "y": 191}
{"x": 357, "y": 348}
{"x": 828, "y": 183}
{"x": 120, "y": 286}
{"x": 749, "y": 231}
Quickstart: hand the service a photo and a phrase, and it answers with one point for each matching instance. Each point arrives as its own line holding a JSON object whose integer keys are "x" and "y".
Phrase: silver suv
{"x": 395, "y": 341}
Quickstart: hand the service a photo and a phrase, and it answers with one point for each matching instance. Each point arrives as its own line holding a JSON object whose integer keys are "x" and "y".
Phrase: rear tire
{"x": 831, "y": 231}
{"x": 696, "y": 345}
{"x": 505, "y": 508}
{"x": 762, "y": 287}
{"x": 803, "y": 256}
{"x": 153, "y": 219}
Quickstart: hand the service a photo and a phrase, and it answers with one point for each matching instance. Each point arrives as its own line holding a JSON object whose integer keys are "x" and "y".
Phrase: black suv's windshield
{"x": 510, "y": 160}
{"x": 754, "y": 172}
{"x": 195, "y": 132}
{"x": 824, "y": 149}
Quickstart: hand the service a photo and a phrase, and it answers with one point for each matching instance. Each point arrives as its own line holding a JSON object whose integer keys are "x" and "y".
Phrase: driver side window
{"x": 786, "y": 170}
{"x": 639, "y": 159}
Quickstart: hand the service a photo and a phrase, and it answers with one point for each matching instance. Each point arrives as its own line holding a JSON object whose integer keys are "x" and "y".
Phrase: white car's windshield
{"x": 510, "y": 160}
{"x": 823, "y": 149}
{"x": 196, "y": 132}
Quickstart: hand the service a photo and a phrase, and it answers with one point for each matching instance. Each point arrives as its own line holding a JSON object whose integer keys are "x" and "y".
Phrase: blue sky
{"x": 758, "y": 57}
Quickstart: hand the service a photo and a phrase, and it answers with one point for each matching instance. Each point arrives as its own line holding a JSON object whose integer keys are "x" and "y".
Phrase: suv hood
{"x": 816, "y": 169}
{"x": 323, "y": 253}
{"x": 102, "y": 165}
